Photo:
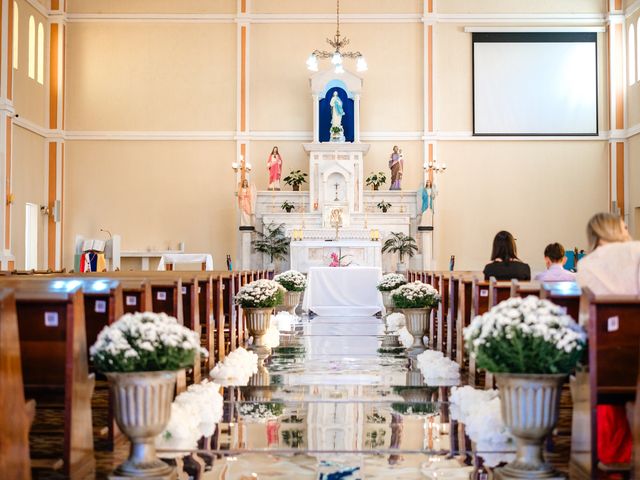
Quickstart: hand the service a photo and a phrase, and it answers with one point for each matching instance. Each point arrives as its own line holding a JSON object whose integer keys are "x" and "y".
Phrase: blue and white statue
{"x": 337, "y": 112}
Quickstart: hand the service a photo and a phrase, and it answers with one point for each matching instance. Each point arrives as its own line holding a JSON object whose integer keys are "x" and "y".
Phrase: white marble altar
{"x": 316, "y": 253}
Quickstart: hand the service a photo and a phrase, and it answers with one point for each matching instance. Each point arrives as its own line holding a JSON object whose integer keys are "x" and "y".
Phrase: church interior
{"x": 321, "y": 239}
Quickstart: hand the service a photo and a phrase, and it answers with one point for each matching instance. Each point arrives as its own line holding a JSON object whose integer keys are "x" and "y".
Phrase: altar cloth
{"x": 343, "y": 291}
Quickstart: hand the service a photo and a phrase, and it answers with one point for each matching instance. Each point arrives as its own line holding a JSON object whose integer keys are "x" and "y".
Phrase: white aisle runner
{"x": 343, "y": 291}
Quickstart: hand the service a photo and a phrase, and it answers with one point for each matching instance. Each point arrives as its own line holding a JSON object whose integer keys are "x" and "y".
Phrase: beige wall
{"x": 28, "y": 182}
{"x": 542, "y": 192}
{"x": 633, "y": 151}
{"x": 154, "y": 194}
{"x": 29, "y": 97}
{"x": 521, "y": 6}
{"x": 157, "y": 6}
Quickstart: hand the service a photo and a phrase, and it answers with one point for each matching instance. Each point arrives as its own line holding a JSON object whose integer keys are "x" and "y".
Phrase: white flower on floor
{"x": 236, "y": 369}
{"x": 272, "y": 337}
{"x": 395, "y": 321}
{"x": 406, "y": 339}
{"x": 284, "y": 321}
{"x": 435, "y": 366}
{"x": 479, "y": 411}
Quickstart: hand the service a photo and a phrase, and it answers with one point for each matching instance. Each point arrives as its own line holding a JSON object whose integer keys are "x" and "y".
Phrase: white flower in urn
{"x": 260, "y": 294}
{"x": 391, "y": 281}
{"x": 292, "y": 280}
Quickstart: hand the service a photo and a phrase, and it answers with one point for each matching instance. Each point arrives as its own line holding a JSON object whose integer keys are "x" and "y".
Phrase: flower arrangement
{"x": 479, "y": 410}
{"x": 384, "y": 206}
{"x": 391, "y": 281}
{"x": 435, "y": 366}
{"x": 236, "y": 369}
{"x": 292, "y": 280}
{"x": 337, "y": 261}
{"x": 415, "y": 295}
{"x": 145, "y": 342}
{"x": 260, "y": 294}
{"x": 284, "y": 321}
{"x": 272, "y": 337}
{"x": 375, "y": 180}
{"x": 406, "y": 339}
{"x": 194, "y": 414}
{"x": 525, "y": 336}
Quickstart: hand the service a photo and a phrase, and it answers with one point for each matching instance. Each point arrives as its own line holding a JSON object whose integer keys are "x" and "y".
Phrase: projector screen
{"x": 535, "y": 84}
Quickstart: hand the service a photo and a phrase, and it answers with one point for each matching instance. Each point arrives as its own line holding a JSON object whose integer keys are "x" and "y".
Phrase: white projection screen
{"x": 535, "y": 84}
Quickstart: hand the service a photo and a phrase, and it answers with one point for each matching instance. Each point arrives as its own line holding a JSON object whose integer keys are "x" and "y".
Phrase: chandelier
{"x": 337, "y": 55}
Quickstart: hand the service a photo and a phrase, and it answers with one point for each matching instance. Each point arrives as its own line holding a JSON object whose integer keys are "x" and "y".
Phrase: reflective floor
{"x": 332, "y": 403}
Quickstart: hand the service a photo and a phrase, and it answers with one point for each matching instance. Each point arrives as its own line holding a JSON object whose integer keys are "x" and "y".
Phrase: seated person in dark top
{"x": 505, "y": 264}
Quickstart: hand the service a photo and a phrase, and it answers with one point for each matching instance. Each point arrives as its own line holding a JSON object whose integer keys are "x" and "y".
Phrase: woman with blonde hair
{"x": 611, "y": 267}
{"x": 613, "y": 264}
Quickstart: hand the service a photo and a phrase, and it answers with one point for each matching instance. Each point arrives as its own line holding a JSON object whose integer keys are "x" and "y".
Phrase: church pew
{"x": 136, "y": 295}
{"x": 51, "y": 326}
{"x": 614, "y": 337}
{"x": 479, "y": 306}
{"x": 16, "y": 414}
{"x": 564, "y": 294}
{"x": 452, "y": 328}
{"x": 524, "y": 289}
{"x": 442, "y": 281}
{"x": 498, "y": 291}
{"x": 463, "y": 317}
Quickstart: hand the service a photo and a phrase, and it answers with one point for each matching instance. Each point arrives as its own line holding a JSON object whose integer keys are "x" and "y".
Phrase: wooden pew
{"x": 452, "y": 312}
{"x": 498, "y": 291}
{"x": 17, "y": 415}
{"x": 479, "y": 306}
{"x": 564, "y": 294}
{"x": 53, "y": 347}
{"x": 614, "y": 338}
{"x": 136, "y": 295}
{"x": 524, "y": 289}
{"x": 463, "y": 318}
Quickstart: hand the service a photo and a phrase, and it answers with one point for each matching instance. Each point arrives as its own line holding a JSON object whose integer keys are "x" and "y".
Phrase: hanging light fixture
{"x": 337, "y": 55}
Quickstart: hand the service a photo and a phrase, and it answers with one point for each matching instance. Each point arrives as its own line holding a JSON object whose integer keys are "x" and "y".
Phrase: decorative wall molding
{"x": 39, "y": 7}
{"x": 597, "y": 29}
{"x": 631, "y": 9}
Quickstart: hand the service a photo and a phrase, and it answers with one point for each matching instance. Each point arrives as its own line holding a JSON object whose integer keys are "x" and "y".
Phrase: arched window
{"x": 40, "y": 54}
{"x": 631, "y": 43}
{"x": 16, "y": 26}
{"x": 31, "y": 60}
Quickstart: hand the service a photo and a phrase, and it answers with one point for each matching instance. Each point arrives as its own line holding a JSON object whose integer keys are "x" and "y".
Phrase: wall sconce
{"x": 10, "y": 198}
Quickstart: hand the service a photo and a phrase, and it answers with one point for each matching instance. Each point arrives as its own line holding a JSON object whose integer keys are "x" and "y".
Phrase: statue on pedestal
{"x": 428, "y": 194}
{"x": 274, "y": 164}
{"x": 337, "y": 112}
{"x": 396, "y": 163}
{"x": 246, "y": 203}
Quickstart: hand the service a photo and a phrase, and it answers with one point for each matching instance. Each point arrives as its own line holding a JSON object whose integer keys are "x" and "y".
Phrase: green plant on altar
{"x": 401, "y": 244}
{"x": 295, "y": 179}
{"x": 384, "y": 206}
{"x": 375, "y": 180}
{"x": 336, "y": 130}
{"x": 272, "y": 242}
{"x": 287, "y": 207}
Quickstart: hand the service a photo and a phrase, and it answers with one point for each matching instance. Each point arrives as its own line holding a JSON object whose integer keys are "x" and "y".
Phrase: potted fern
{"x": 375, "y": 180}
{"x": 272, "y": 242}
{"x": 287, "y": 206}
{"x": 401, "y": 244}
{"x": 384, "y": 206}
{"x": 295, "y": 179}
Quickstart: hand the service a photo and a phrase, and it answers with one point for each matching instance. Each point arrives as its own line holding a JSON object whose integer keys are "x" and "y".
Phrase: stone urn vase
{"x": 258, "y": 321}
{"x": 142, "y": 407}
{"x": 417, "y": 320}
{"x": 290, "y": 302}
{"x": 530, "y": 411}
{"x": 387, "y": 301}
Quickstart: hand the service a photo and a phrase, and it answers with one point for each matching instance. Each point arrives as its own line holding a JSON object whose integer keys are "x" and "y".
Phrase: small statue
{"x": 246, "y": 201}
{"x": 428, "y": 194}
{"x": 274, "y": 164}
{"x": 337, "y": 112}
{"x": 396, "y": 163}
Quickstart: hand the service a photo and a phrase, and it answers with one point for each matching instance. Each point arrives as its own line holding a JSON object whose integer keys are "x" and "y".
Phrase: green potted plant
{"x": 384, "y": 206}
{"x": 295, "y": 179}
{"x": 531, "y": 346}
{"x": 272, "y": 242}
{"x": 287, "y": 207}
{"x": 375, "y": 180}
{"x": 401, "y": 244}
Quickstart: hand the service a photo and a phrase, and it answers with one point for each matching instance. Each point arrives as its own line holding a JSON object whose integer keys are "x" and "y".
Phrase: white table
{"x": 172, "y": 259}
{"x": 343, "y": 291}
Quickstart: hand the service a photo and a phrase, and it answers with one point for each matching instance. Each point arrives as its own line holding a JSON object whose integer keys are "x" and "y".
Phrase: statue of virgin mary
{"x": 337, "y": 112}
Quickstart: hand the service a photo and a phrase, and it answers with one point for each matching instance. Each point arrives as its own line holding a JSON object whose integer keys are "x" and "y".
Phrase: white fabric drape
{"x": 175, "y": 258}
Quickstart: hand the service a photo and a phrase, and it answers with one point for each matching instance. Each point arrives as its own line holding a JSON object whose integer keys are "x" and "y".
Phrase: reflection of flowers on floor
{"x": 479, "y": 411}
{"x": 435, "y": 366}
{"x": 261, "y": 411}
{"x": 236, "y": 369}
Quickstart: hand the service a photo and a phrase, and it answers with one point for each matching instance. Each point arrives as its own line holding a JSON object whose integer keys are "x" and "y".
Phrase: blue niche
{"x": 324, "y": 123}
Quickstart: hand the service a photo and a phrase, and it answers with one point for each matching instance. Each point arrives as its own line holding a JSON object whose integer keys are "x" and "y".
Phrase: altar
{"x": 317, "y": 253}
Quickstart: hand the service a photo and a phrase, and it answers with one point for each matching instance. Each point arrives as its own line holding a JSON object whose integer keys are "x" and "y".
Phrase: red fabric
{"x": 614, "y": 435}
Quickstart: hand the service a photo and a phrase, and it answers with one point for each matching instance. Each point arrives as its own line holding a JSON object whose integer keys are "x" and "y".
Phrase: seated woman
{"x": 611, "y": 267}
{"x": 505, "y": 264}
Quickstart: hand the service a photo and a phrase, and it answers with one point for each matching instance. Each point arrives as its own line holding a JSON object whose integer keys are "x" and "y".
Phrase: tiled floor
{"x": 338, "y": 406}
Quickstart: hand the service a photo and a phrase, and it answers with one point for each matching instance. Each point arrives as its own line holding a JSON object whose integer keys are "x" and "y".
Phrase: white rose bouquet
{"x": 391, "y": 281}
{"x": 526, "y": 336}
{"x": 144, "y": 342}
{"x": 292, "y": 280}
{"x": 415, "y": 295}
{"x": 260, "y": 294}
